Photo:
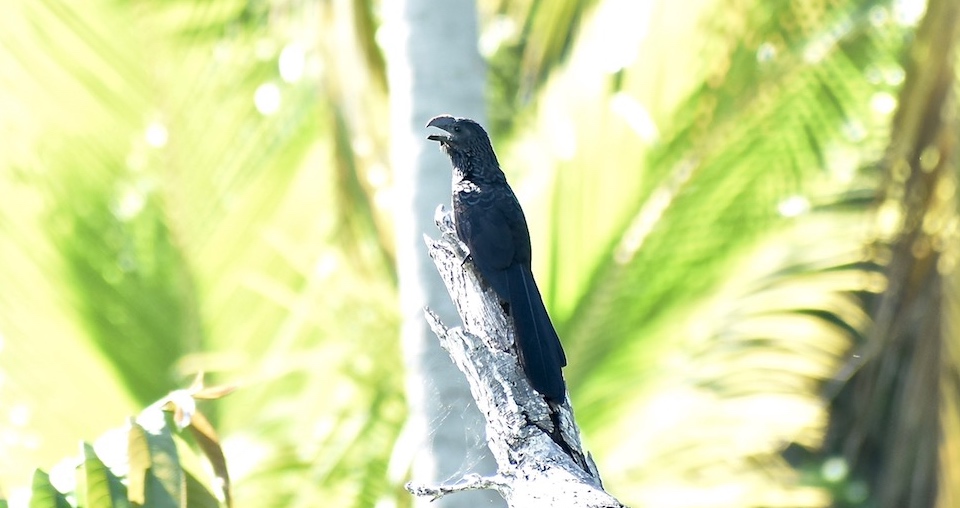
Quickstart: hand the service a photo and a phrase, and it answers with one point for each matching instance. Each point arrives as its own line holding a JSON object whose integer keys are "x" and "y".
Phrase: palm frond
{"x": 176, "y": 197}
{"x": 894, "y": 422}
{"x": 680, "y": 216}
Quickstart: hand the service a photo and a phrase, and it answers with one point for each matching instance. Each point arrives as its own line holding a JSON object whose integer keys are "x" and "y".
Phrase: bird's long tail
{"x": 541, "y": 353}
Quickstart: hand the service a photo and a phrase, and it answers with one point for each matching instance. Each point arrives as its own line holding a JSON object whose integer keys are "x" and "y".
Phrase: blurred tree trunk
{"x": 433, "y": 67}
{"x": 896, "y": 420}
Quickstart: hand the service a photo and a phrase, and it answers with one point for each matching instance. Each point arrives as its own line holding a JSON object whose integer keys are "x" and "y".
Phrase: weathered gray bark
{"x": 537, "y": 466}
{"x": 433, "y": 67}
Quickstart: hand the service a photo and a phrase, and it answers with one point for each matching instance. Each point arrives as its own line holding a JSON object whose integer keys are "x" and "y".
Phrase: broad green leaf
{"x": 138, "y": 458}
{"x": 198, "y": 496}
{"x": 44, "y": 494}
{"x": 156, "y": 478}
{"x": 97, "y": 486}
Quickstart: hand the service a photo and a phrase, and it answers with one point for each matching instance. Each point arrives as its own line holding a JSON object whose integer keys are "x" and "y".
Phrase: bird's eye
{"x": 456, "y": 128}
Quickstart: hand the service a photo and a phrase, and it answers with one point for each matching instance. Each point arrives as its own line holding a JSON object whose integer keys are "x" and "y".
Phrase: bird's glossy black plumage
{"x": 490, "y": 222}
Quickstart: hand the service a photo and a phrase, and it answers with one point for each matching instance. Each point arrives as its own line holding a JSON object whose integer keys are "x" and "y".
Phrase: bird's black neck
{"x": 477, "y": 165}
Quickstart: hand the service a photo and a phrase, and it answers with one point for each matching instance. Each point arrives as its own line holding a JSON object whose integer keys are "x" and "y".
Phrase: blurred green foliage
{"x": 146, "y": 463}
{"x": 203, "y": 186}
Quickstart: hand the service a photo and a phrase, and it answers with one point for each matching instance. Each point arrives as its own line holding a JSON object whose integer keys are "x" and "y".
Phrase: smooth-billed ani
{"x": 490, "y": 222}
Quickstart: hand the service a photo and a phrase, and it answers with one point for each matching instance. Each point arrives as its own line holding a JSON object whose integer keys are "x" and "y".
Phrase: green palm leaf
{"x": 181, "y": 219}
{"x": 729, "y": 243}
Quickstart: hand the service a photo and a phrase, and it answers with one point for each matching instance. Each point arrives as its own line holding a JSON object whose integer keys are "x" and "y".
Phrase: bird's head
{"x": 463, "y": 139}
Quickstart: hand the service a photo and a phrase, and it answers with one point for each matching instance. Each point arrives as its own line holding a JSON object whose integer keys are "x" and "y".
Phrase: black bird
{"x": 490, "y": 222}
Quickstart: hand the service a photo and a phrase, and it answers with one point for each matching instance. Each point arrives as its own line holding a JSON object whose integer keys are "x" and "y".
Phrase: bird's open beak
{"x": 443, "y": 122}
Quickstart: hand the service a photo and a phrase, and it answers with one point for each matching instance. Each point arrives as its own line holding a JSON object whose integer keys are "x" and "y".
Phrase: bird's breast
{"x": 467, "y": 193}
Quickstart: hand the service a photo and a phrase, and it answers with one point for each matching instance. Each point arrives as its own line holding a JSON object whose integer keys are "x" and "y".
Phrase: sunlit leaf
{"x": 138, "y": 453}
{"x": 198, "y": 496}
{"x": 44, "y": 494}
{"x": 156, "y": 478}
{"x": 98, "y": 487}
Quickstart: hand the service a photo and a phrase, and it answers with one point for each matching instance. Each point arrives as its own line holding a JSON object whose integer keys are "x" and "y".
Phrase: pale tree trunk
{"x": 433, "y": 67}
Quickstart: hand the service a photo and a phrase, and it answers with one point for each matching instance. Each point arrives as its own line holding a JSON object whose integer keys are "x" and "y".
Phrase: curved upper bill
{"x": 443, "y": 122}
